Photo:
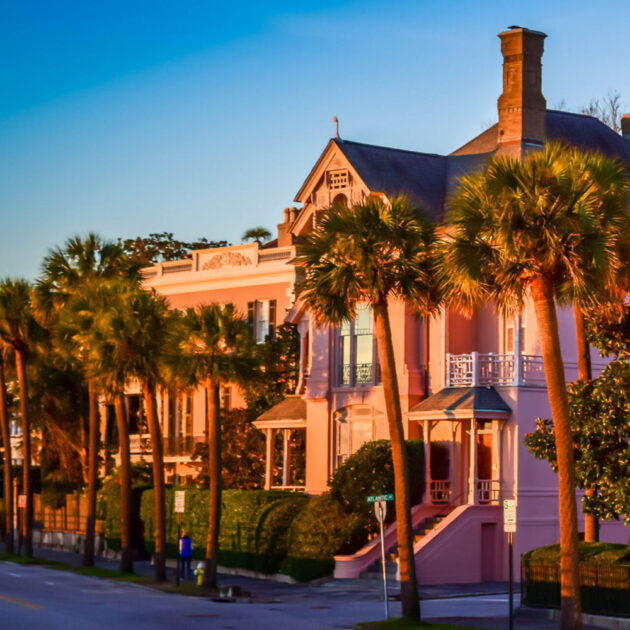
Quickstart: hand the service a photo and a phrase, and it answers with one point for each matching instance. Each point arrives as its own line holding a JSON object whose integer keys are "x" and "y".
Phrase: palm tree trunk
{"x": 6, "y": 440}
{"x": 406, "y": 561}
{"x": 94, "y": 439}
{"x": 591, "y": 524}
{"x": 27, "y": 520}
{"x": 148, "y": 391}
{"x": 214, "y": 473}
{"x": 126, "y": 552}
{"x": 547, "y": 322}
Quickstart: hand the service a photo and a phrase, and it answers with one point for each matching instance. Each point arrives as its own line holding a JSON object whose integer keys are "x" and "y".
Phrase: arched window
{"x": 340, "y": 200}
{"x": 356, "y": 425}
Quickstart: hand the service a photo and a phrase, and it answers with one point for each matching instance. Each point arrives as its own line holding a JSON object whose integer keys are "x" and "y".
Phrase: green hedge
{"x": 604, "y": 578}
{"x": 321, "y": 530}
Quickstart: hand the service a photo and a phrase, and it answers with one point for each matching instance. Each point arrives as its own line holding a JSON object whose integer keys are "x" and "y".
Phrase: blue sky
{"x": 203, "y": 118}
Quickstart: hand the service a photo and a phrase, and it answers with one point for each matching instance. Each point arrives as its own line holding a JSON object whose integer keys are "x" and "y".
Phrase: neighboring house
{"x": 259, "y": 281}
{"x": 475, "y": 385}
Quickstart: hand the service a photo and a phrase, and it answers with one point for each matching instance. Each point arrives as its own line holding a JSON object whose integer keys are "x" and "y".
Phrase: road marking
{"x": 50, "y": 583}
{"x": 15, "y": 574}
{"x": 19, "y": 602}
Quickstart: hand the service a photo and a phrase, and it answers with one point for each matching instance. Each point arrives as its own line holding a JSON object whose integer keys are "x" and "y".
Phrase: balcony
{"x": 181, "y": 446}
{"x": 476, "y": 369}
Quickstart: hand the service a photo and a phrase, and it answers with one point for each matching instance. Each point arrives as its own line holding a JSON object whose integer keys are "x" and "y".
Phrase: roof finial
{"x": 336, "y": 121}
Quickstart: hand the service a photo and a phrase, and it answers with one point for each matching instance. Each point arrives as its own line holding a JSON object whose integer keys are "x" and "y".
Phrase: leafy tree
{"x": 258, "y": 234}
{"x": 212, "y": 346}
{"x": 531, "y": 227}
{"x": 161, "y": 247}
{"x": 370, "y": 253}
{"x": 599, "y": 411}
{"x": 242, "y": 453}
{"x": 279, "y": 360}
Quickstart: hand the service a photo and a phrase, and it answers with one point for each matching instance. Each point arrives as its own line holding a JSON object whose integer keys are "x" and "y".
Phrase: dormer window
{"x": 338, "y": 179}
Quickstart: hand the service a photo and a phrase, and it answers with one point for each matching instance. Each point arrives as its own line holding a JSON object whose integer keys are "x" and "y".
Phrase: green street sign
{"x": 373, "y": 498}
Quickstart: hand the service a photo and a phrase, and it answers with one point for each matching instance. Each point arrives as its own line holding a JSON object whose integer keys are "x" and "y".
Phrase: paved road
{"x": 45, "y": 599}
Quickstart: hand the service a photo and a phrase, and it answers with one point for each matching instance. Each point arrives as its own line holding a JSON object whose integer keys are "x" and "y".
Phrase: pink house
{"x": 475, "y": 385}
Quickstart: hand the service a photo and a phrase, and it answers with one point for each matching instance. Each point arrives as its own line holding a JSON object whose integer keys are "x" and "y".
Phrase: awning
{"x": 457, "y": 403}
{"x": 288, "y": 414}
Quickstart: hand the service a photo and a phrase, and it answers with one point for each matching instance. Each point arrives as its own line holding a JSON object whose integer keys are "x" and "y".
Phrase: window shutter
{"x": 272, "y": 319}
{"x": 251, "y": 318}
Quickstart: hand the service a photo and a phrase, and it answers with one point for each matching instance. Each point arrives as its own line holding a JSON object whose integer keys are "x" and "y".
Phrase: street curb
{"x": 601, "y": 621}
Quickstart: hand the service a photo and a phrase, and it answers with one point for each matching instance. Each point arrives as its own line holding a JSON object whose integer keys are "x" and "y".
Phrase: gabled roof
{"x": 461, "y": 402}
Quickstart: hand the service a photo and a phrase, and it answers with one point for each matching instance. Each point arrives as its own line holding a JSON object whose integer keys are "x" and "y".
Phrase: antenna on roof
{"x": 336, "y": 121}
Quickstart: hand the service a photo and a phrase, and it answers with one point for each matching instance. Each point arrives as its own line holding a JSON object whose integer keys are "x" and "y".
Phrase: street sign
{"x": 380, "y": 509}
{"x": 21, "y": 500}
{"x": 509, "y": 516}
{"x": 373, "y": 498}
{"x": 180, "y": 500}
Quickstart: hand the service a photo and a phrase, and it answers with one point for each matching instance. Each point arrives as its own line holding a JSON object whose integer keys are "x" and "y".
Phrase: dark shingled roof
{"x": 291, "y": 408}
{"x": 451, "y": 399}
{"x": 419, "y": 176}
{"x": 428, "y": 179}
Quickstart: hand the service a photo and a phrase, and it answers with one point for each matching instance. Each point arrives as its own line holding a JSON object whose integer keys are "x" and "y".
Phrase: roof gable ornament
{"x": 336, "y": 121}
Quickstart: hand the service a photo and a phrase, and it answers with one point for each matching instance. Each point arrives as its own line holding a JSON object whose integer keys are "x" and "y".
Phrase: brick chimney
{"x": 625, "y": 126}
{"x": 522, "y": 106}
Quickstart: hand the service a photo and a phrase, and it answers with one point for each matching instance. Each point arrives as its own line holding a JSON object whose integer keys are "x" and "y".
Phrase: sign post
{"x": 380, "y": 509}
{"x": 509, "y": 526}
{"x": 180, "y": 503}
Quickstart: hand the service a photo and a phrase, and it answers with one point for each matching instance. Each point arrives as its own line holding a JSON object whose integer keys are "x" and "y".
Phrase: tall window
{"x": 356, "y": 349}
{"x": 510, "y": 326}
{"x": 226, "y": 398}
{"x": 261, "y": 317}
{"x": 186, "y": 414}
{"x": 355, "y": 426}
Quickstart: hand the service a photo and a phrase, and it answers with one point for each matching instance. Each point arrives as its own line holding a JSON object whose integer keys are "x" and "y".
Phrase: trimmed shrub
{"x": 371, "y": 471}
{"x": 321, "y": 530}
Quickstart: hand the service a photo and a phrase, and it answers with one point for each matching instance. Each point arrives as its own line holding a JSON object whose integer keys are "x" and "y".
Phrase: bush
{"x": 371, "y": 471}
{"x": 321, "y": 530}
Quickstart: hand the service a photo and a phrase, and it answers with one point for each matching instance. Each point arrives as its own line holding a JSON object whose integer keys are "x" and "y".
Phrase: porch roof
{"x": 457, "y": 403}
{"x": 287, "y": 414}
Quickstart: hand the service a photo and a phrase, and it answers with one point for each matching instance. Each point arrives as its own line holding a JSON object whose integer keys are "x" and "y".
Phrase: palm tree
{"x": 19, "y": 328}
{"x": 532, "y": 227}
{"x": 102, "y": 343}
{"x": 212, "y": 346}
{"x": 258, "y": 234}
{"x": 6, "y": 441}
{"x": 370, "y": 253}
{"x": 65, "y": 273}
{"x": 141, "y": 321}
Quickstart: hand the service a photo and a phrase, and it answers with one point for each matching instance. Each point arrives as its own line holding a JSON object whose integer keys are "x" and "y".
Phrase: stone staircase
{"x": 374, "y": 571}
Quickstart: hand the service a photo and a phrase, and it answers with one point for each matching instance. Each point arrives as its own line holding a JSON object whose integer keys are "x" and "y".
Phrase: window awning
{"x": 287, "y": 414}
{"x": 459, "y": 403}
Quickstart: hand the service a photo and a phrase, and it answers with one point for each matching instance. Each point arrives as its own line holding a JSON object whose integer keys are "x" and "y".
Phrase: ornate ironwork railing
{"x": 359, "y": 374}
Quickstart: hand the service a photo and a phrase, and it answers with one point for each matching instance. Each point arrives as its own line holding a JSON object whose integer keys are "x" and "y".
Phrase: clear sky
{"x": 203, "y": 118}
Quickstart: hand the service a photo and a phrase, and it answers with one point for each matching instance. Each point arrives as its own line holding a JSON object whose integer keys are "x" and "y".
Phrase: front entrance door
{"x": 484, "y": 467}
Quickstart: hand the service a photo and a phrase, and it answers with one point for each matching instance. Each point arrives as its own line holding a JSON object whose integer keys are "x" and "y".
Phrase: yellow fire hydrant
{"x": 200, "y": 571}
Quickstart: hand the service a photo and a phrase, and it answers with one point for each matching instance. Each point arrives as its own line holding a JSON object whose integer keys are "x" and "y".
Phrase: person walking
{"x": 185, "y": 556}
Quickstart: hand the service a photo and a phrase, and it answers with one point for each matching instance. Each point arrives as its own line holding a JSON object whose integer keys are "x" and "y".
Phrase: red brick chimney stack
{"x": 522, "y": 106}
{"x": 625, "y": 126}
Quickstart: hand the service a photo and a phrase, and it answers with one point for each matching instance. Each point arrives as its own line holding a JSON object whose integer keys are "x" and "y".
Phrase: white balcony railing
{"x": 476, "y": 369}
{"x": 440, "y": 491}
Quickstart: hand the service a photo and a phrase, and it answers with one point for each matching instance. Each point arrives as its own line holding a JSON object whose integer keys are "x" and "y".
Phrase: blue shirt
{"x": 185, "y": 547}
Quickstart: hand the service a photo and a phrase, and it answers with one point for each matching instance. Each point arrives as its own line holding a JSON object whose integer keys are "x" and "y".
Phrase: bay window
{"x": 356, "y": 357}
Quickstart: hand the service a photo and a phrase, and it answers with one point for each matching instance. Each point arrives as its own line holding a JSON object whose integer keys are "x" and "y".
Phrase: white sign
{"x": 509, "y": 516}
{"x": 380, "y": 509}
{"x": 21, "y": 500}
{"x": 180, "y": 500}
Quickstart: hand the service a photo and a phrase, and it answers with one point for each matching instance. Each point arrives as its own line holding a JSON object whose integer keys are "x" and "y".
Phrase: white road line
{"x": 15, "y": 574}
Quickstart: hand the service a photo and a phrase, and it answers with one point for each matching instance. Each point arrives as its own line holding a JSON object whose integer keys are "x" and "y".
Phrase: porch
{"x": 488, "y": 369}
{"x": 469, "y": 422}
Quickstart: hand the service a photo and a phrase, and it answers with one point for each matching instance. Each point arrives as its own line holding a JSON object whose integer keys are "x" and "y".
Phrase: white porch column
{"x": 451, "y": 462}
{"x": 472, "y": 472}
{"x": 268, "y": 458}
{"x": 285, "y": 457}
{"x": 518, "y": 350}
{"x": 426, "y": 430}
